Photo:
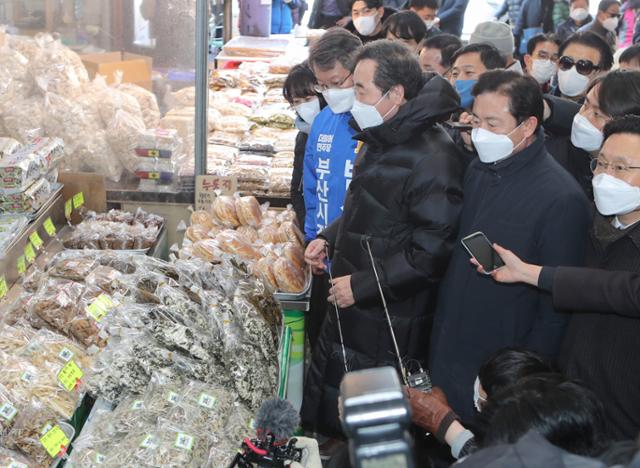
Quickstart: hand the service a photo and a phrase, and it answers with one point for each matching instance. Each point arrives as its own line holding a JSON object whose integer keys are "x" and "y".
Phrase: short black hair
{"x": 567, "y": 414}
{"x": 525, "y": 97}
{"x": 420, "y": 4}
{"x": 337, "y": 45}
{"x": 506, "y": 366}
{"x": 299, "y": 83}
{"x": 630, "y": 54}
{"x": 370, "y": 3}
{"x": 396, "y": 65}
{"x": 440, "y": 41}
{"x": 605, "y": 4}
{"x": 490, "y": 57}
{"x": 590, "y": 39}
{"x": 406, "y": 25}
{"x": 619, "y": 92}
{"x": 539, "y": 39}
{"x": 573, "y": 1}
{"x": 626, "y": 124}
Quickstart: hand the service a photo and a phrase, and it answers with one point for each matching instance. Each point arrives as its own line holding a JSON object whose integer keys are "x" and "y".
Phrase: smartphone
{"x": 482, "y": 250}
{"x": 463, "y": 127}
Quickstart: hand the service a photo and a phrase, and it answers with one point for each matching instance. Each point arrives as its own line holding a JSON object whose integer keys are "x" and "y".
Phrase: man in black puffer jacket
{"x": 405, "y": 199}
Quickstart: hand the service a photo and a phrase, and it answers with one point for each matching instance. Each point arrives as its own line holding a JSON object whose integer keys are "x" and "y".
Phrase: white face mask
{"x": 308, "y": 110}
{"x": 365, "y": 25}
{"x": 477, "y": 399}
{"x": 610, "y": 24}
{"x": 366, "y": 115}
{"x": 543, "y": 70}
{"x": 431, "y": 23}
{"x": 614, "y": 196}
{"x": 579, "y": 14}
{"x": 493, "y": 147}
{"x": 340, "y": 100}
{"x": 571, "y": 82}
{"x": 584, "y": 135}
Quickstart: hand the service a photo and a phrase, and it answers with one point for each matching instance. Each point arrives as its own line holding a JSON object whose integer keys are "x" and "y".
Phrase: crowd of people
{"x": 409, "y": 142}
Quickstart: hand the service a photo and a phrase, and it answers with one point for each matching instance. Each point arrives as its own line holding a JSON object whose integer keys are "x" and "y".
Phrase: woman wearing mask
{"x": 367, "y": 18}
{"x": 613, "y": 95}
{"x": 299, "y": 92}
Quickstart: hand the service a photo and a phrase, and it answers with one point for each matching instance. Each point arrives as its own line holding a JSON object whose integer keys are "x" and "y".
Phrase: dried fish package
{"x": 178, "y": 448}
{"x": 130, "y": 415}
{"x": 11, "y": 404}
{"x": 134, "y": 451}
{"x": 12, "y": 459}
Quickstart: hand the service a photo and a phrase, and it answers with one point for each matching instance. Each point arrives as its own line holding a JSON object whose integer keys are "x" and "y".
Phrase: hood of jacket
{"x": 435, "y": 102}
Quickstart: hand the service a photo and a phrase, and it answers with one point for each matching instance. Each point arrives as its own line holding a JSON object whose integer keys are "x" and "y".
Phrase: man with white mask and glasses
{"x": 578, "y": 17}
{"x": 517, "y": 192}
{"x": 601, "y": 343}
{"x": 605, "y": 24}
{"x": 401, "y": 213}
{"x": 541, "y": 60}
{"x": 612, "y": 95}
{"x": 582, "y": 57}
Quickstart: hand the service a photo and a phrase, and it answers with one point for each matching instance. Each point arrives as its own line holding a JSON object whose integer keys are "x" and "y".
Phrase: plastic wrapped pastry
{"x": 248, "y": 211}
{"x": 289, "y": 278}
{"x": 224, "y": 211}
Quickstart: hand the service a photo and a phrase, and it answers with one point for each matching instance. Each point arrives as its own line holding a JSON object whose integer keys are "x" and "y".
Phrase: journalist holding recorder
{"x": 404, "y": 203}
{"x": 600, "y": 347}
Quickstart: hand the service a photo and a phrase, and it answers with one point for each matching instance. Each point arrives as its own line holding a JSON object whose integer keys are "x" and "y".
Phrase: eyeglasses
{"x": 600, "y": 165}
{"x": 584, "y": 67}
{"x": 318, "y": 88}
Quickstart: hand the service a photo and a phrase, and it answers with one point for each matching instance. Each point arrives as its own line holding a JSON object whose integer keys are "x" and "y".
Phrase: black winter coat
{"x": 526, "y": 203}
{"x": 406, "y": 197}
{"x": 576, "y": 161}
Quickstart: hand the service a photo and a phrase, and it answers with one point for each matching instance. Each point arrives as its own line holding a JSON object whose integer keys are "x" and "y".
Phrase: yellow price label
{"x": 96, "y": 311}
{"x": 21, "y": 263}
{"x": 36, "y": 240}
{"x": 54, "y": 441}
{"x": 29, "y": 253}
{"x": 3, "y": 287}
{"x": 49, "y": 227}
{"x": 70, "y": 375}
{"x": 154, "y": 153}
{"x": 68, "y": 208}
{"x": 78, "y": 200}
{"x": 154, "y": 175}
{"x": 105, "y": 302}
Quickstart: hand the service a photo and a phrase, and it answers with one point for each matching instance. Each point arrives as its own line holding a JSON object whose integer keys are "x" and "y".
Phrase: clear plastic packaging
{"x": 248, "y": 211}
{"x": 290, "y": 279}
{"x": 230, "y": 242}
{"x": 224, "y": 211}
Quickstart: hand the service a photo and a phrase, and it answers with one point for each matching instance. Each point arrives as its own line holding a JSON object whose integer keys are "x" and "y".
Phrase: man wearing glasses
{"x": 601, "y": 343}
{"x": 606, "y": 22}
{"x": 582, "y": 56}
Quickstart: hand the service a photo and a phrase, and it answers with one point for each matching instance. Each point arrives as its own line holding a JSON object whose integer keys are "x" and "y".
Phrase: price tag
{"x": 137, "y": 405}
{"x": 3, "y": 287}
{"x": 173, "y": 398}
{"x": 105, "y": 302}
{"x": 65, "y": 354}
{"x": 154, "y": 175}
{"x": 68, "y": 208}
{"x": 154, "y": 153}
{"x": 27, "y": 377}
{"x": 15, "y": 464}
{"x": 8, "y": 411}
{"x": 184, "y": 441}
{"x": 100, "y": 458}
{"x": 99, "y": 307}
{"x": 36, "y": 240}
{"x": 70, "y": 375}
{"x": 78, "y": 200}
{"x": 207, "y": 401}
{"x": 22, "y": 265}
{"x": 148, "y": 441}
{"x": 49, "y": 227}
{"x": 54, "y": 441}
{"x": 29, "y": 253}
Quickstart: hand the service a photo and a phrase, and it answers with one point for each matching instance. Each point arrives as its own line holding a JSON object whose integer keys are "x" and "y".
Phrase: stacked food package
{"x": 45, "y": 91}
{"x": 28, "y": 173}
{"x": 253, "y": 134}
{"x": 269, "y": 241}
{"x": 185, "y": 351}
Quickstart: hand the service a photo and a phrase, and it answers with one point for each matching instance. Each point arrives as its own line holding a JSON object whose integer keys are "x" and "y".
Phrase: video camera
{"x": 376, "y": 418}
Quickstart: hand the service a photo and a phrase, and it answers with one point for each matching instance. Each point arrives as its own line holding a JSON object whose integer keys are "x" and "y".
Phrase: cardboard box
{"x": 136, "y": 69}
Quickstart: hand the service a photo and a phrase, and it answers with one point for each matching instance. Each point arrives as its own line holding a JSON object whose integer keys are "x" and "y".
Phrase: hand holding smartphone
{"x": 482, "y": 250}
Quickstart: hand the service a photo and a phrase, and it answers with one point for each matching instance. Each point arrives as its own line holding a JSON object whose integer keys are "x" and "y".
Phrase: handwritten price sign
{"x": 206, "y": 187}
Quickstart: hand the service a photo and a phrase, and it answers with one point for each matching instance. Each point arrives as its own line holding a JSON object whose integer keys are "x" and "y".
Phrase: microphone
{"x": 277, "y": 417}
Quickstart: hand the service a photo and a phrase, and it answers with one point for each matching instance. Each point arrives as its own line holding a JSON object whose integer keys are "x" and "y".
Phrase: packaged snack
{"x": 289, "y": 278}
{"x": 224, "y": 211}
{"x": 248, "y": 211}
{"x": 231, "y": 243}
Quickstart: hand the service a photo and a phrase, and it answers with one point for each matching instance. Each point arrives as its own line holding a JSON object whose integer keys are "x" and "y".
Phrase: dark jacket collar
{"x": 436, "y": 101}
{"x": 517, "y": 161}
{"x": 606, "y": 234}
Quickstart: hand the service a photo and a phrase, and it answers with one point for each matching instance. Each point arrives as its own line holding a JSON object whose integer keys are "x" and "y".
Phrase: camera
{"x": 376, "y": 418}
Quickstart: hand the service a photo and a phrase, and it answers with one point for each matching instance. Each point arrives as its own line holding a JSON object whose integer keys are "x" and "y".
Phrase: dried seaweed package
{"x": 174, "y": 335}
{"x": 12, "y": 459}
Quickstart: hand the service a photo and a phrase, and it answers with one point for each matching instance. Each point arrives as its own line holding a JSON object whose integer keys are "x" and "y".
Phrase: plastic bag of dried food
{"x": 290, "y": 278}
{"x": 162, "y": 396}
{"x": 31, "y": 424}
{"x": 224, "y": 211}
{"x": 232, "y": 124}
{"x": 180, "y": 334}
{"x": 147, "y": 101}
{"x": 280, "y": 181}
{"x": 56, "y": 303}
{"x": 239, "y": 424}
{"x": 248, "y": 211}
{"x": 230, "y": 242}
{"x": 123, "y": 134}
{"x": 178, "y": 448}
{"x": 49, "y": 346}
{"x": 75, "y": 268}
{"x": 10, "y": 405}
{"x": 130, "y": 415}
{"x": 59, "y": 66}
{"x": 13, "y": 459}
{"x": 225, "y": 139}
{"x": 18, "y": 310}
{"x": 94, "y": 441}
{"x": 15, "y": 337}
{"x": 18, "y": 120}
{"x": 15, "y": 82}
{"x": 105, "y": 278}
